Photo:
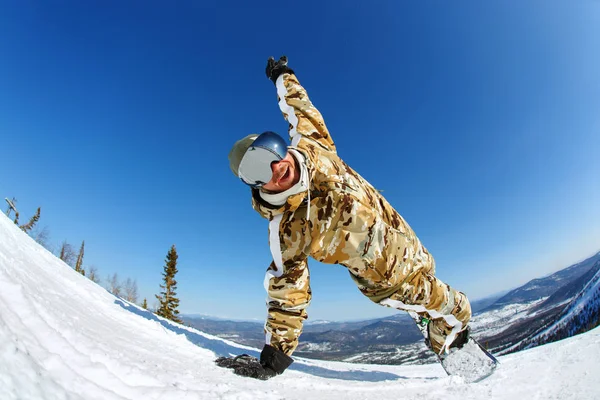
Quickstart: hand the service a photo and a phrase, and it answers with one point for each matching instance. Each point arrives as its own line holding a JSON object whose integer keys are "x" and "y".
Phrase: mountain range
{"x": 505, "y": 322}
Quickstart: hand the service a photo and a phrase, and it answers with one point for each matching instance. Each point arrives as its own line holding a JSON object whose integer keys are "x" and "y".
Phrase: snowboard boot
{"x": 436, "y": 331}
{"x": 461, "y": 339}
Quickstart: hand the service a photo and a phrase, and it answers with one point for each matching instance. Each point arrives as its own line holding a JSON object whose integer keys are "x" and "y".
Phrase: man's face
{"x": 285, "y": 175}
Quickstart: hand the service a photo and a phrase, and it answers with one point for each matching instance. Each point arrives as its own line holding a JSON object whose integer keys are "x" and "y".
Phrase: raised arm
{"x": 303, "y": 117}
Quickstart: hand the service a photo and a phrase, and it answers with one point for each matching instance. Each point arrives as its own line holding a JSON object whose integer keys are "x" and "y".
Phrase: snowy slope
{"x": 64, "y": 337}
{"x": 583, "y": 310}
{"x": 589, "y": 295}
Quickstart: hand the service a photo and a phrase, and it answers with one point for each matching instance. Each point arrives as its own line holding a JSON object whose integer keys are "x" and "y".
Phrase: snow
{"x": 495, "y": 321}
{"x": 470, "y": 363}
{"x": 584, "y": 298}
{"x": 318, "y": 322}
{"x": 64, "y": 337}
{"x": 309, "y": 346}
{"x": 587, "y": 294}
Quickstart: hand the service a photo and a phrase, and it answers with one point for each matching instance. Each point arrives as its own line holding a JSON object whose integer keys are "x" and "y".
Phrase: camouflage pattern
{"x": 351, "y": 224}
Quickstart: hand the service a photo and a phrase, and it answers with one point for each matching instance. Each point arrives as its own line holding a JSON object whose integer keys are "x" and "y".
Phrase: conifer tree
{"x": 145, "y": 304}
{"x": 79, "y": 262}
{"x": 63, "y": 251}
{"x": 168, "y": 302}
{"x": 29, "y": 226}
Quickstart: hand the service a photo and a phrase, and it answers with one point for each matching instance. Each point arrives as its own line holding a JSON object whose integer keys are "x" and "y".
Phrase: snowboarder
{"x": 320, "y": 207}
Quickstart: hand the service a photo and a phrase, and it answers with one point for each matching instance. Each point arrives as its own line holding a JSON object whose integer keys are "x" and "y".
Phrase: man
{"x": 320, "y": 207}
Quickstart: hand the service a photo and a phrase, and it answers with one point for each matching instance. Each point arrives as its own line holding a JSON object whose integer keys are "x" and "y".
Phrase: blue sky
{"x": 479, "y": 122}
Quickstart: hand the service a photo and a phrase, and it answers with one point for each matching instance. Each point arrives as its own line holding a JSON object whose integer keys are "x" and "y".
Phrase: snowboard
{"x": 472, "y": 361}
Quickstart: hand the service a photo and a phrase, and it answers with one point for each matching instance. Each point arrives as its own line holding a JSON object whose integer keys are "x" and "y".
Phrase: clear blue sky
{"x": 480, "y": 122}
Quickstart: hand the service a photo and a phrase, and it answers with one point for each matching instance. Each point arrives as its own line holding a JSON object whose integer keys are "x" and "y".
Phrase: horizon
{"x": 309, "y": 321}
{"x": 478, "y": 122}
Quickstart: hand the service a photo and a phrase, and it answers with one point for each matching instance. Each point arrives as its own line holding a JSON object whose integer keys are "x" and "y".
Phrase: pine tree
{"x": 79, "y": 263}
{"x": 28, "y": 226}
{"x": 167, "y": 299}
{"x": 145, "y": 304}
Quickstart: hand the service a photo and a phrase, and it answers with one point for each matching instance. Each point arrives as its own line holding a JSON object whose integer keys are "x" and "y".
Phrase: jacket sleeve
{"x": 303, "y": 117}
{"x": 288, "y": 286}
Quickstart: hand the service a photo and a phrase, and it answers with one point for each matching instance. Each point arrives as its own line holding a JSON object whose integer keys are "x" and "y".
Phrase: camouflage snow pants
{"x": 425, "y": 295}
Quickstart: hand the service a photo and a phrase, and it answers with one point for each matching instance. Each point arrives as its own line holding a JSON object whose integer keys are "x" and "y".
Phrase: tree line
{"x": 168, "y": 302}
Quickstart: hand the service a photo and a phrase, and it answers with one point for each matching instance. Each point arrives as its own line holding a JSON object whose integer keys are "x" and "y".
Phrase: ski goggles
{"x": 255, "y": 167}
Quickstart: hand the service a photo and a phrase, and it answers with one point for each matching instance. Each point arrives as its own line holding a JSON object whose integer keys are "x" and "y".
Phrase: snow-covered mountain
{"x": 581, "y": 314}
{"x": 534, "y": 314}
{"x": 547, "y": 285}
{"x": 64, "y": 337}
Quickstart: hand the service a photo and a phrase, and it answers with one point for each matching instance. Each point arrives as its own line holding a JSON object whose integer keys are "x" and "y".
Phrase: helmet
{"x": 251, "y": 158}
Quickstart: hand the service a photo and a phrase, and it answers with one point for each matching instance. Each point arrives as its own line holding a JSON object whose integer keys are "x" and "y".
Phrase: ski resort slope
{"x": 64, "y": 337}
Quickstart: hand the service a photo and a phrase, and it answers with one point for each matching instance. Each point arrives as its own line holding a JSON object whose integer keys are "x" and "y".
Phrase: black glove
{"x": 272, "y": 362}
{"x": 276, "y": 68}
{"x": 246, "y": 365}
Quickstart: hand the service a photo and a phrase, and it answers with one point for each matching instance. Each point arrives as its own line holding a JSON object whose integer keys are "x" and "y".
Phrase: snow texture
{"x": 470, "y": 362}
{"x": 64, "y": 337}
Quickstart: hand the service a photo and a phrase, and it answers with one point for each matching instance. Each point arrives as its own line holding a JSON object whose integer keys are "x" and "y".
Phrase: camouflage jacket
{"x": 341, "y": 219}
